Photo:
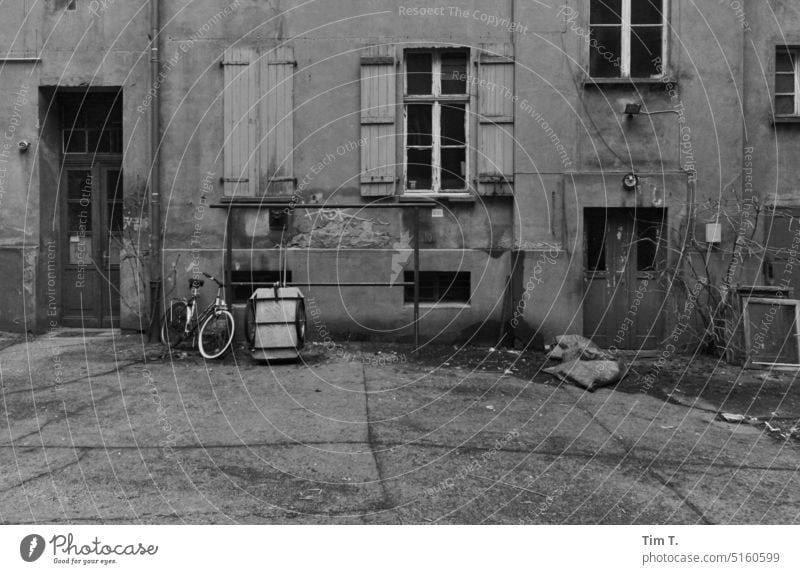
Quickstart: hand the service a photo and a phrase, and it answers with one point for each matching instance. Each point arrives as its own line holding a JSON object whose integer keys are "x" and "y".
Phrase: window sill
{"x": 589, "y": 81}
{"x": 411, "y": 195}
{"x": 438, "y": 305}
{"x": 785, "y": 120}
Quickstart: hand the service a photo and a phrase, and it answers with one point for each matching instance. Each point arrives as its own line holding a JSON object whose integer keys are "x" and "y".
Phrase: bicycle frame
{"x": 193, "y": 319}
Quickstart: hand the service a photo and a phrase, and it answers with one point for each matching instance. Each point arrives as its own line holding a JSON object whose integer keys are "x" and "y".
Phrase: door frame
{"x": 630, "y": 279}
{"x": 98, "y": 166}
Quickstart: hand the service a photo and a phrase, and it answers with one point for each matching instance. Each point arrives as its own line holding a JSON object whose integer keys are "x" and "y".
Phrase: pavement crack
{"x": 49, "y": 472}
{"x": 373, "y": 446}
{"x": 629, "y": 450}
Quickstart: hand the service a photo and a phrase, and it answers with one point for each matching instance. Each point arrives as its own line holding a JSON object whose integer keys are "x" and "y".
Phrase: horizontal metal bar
{"x": 266, "y": 204}
{"x": 351, "y": 284}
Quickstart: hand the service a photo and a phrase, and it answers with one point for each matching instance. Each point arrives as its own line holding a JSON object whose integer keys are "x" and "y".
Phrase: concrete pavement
{"x": 105, "y": 429}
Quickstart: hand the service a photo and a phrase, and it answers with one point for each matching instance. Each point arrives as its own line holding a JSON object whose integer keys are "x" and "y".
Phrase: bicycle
{"x": 211, "y": 330}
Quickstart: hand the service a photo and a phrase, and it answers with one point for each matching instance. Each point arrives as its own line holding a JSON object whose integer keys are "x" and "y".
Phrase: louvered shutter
{"x": 378, "y": 117}
{"x": 496, "y": 120}
{"x": 277, "y": 122}
{"x": 240, "y": 96}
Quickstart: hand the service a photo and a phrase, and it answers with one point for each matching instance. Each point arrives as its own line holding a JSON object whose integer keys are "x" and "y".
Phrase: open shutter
{"x": 277, "y": 122}
{"x": 240, "y": 96}
{"x": 496, "y": 120}
{"x": 378, "y": 116}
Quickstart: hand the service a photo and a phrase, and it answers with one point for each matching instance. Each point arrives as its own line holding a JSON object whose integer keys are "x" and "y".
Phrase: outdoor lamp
{"x": 630, "y": 181}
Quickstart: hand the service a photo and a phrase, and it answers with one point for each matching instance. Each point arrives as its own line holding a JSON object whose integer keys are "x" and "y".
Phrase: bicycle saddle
{"x": 196, "y": 283}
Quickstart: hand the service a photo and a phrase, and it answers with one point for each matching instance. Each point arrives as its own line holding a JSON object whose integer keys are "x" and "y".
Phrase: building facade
{"x": 576, "y": 151}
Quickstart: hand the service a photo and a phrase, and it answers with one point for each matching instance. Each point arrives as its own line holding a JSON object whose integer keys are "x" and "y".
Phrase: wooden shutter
{"x": 240, "y": 96}
{"x": 496, "y": 120}
{"x": 277, "y": 122}
{"x": 378, "y": 117}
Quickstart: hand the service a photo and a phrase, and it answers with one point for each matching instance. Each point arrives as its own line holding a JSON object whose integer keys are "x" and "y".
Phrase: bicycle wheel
{"x": 300, "y": 323}
{"x": 173, "y": 325}
{"x": 250, "y": 322}
{"x": 216, "y": 334}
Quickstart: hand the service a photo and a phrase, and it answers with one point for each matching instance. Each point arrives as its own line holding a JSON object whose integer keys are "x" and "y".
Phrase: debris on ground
{"x": 568, "y": 347}
{"x": 583, "y": 363}
{"x": 590, "y": 375}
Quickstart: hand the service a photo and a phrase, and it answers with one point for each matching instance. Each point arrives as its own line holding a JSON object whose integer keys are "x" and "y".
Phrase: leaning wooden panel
{"x": 771, "y": 332}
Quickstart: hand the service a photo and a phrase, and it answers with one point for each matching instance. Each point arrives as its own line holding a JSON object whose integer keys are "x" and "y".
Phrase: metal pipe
{"x": 416, "y": 279}
{"x": 155, "y": 172}
{"x": 283, "y": 204}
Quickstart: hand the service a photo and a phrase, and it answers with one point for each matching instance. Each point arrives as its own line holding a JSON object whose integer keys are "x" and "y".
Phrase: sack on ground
{"x": 568, "y": 347}
{"x": 590, "y": 375}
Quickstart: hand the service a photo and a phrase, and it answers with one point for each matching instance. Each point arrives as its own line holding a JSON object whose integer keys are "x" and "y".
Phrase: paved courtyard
{"x": 107, "y": 429}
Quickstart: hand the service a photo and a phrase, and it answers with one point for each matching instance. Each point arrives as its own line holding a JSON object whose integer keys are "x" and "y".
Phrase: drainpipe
{"x": 155, "y": 174}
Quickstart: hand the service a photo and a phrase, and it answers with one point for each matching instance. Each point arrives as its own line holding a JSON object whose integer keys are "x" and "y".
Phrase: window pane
{"x": 115, "y": 217}
{"x": 454, "y": 73}
{"x": 648, "y": 243}
{"x": 645, "y": 49}
{"x": 80, "y": 250}
{"x": 453, "y": 169}
{"x": 80, "y": 217}
{"x": 784, "y": 83}
{"x": 453, "y": 129}
{"x": 420, "y": 122}
{"x": 783, "y": 60}
{"x": 114, "y": 185}
{"x": 605, "y": 52}
{"x": 74, "y": 141}
{"x": 595, "y": 225}
{"x": 784, "y": 105}
{"x": 419, "y": 67}
{"x": 606, "y": 11}
{"x": 99, "y": 141}
{"x": 646, "y": 12}
{"x": 420, "y": 173}
{"x": 79, "y": 184}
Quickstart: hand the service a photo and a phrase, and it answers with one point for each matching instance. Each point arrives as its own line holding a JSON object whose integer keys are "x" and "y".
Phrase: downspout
{"x": 508, "y": 335}
{"x": 155, "y": 173}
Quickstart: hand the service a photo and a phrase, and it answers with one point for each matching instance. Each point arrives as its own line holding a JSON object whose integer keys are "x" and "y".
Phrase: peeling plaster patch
{"x": 333, "y": 228}
{"x": 28, "y": 270}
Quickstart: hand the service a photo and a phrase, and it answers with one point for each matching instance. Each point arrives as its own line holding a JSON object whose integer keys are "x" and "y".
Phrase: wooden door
{"x": 625, "y": 255}
{"x": 91, "y": 235}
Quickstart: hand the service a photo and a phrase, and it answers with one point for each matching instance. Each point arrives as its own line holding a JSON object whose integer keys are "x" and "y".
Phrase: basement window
{"x": 787, "y": 81}
{"x": 245, "y": 282}
{"x": 438, "y": 287}
{"x": 627, "y": 38}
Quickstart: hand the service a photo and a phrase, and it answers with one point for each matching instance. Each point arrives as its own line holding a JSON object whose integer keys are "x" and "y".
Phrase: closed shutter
{"x": 240, "y": 96}
{"x": 378, "y": 117}
{"x": 277, "y": 122}
{"x": 496, "y": 120}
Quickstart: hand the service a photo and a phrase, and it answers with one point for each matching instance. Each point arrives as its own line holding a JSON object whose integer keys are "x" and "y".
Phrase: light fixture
{"x": 630, "y": 182}
{"x": 632, "y": 109}
{"x": 713, "y": 233}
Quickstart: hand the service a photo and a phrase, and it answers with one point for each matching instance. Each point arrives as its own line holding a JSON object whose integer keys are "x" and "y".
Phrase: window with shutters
{"x": 436, "y": 120}
{"x": 627, "y": 38}
{"x": 258, "y": 100}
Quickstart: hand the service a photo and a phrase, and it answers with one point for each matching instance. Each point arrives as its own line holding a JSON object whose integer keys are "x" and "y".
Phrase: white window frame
{"x": 436, "y": 98}
{"x": 625, "y": 40}
{"x": 795, "y": 54}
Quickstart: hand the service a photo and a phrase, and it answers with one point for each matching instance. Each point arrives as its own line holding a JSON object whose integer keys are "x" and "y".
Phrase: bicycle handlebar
{"x": 214, "y": 279}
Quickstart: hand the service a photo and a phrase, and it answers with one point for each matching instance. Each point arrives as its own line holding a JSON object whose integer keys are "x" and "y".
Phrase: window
{"x": 91, "y": 124}
{"x": 436, "y": 112}
{"x": 626, "y": 38}
{"x": 439, "y": 286}
{"x": 787, "y": 81}
{"x": 245, "y": 282}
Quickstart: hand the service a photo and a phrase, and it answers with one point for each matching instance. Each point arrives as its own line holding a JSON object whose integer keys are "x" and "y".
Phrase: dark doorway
{"x": 625, "y": 257}
{"x": 90, "y": 200}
